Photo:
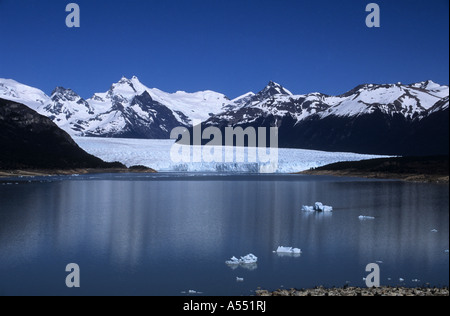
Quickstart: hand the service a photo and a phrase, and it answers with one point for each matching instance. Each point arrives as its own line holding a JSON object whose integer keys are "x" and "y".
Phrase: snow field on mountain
{"x": 156, "y": 154}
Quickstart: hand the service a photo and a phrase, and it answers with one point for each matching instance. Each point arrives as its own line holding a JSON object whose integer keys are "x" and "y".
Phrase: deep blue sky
{"x": 229, "y": 46}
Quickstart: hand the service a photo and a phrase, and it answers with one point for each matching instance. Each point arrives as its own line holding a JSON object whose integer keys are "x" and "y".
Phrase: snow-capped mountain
{"x": 371, "y": 118}
{"x": 32, "y": 141}
{"x": 407, "y": 100}
{"x": 17, "y": 92}
{"x": 127, "y": 109}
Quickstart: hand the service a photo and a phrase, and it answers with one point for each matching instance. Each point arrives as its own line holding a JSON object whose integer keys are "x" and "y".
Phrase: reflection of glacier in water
{"x": 156, "y": 154}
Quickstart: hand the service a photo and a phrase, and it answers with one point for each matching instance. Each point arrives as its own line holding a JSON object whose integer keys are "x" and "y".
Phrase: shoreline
{"x": 410, "y": 177}
{"x": 358, "y": 291}
{"x": 431, "y": 169}
{"x": 67, "y": 172}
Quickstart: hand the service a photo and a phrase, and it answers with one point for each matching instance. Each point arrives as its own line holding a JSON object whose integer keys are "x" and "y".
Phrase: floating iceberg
{"x": 290, "y": 250}
{"x": 191, "y": 292}
{"x": 434, "y": 230}
{"x": 248, "y": 259}
{"x": 233, "y": 261}
{"x": 238, "y": 279}
{"x": 318, "y": 207}
{"x": 363, "y": 218}
{"x": 308, "y": 208}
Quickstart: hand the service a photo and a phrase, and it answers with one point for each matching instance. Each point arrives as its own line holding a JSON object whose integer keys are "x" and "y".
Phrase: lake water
{"x": 166, "y": 234}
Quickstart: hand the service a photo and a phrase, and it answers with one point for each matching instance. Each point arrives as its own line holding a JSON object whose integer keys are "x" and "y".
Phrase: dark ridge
{"x": 29, "y": 140}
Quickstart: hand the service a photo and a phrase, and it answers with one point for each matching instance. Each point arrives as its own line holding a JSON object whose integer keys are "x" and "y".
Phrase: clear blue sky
{"x": 229, "y": 46}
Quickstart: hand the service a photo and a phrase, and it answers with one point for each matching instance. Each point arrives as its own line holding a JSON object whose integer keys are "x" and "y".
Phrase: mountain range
{"x": 29, "y": 140}
{"x": 396, "y": 119}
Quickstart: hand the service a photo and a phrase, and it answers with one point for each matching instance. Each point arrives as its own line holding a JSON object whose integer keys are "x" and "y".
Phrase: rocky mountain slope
{"x": 30, "y": 140}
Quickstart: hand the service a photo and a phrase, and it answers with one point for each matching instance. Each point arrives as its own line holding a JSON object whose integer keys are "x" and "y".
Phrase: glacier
{"x": 156, "y": 154}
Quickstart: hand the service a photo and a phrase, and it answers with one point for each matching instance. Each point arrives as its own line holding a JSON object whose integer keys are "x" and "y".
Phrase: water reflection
{"x": 174, "y": 225}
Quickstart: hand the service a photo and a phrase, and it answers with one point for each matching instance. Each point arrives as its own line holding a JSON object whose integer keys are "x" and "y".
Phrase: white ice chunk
{"x": 191, "y": 292}
{"x": 308, "y": 208}
{"x": 238, "y": 279}
{"x": 434, "y": 230}
{"x": 248, "y": 259}
{"x": 318, "y": 207}
{"x": 363, "y": 218}
{"x": 233, "y": 261}
{"x": 282, "y": 249}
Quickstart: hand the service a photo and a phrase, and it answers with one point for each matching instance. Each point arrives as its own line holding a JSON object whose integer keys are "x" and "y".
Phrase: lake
{"x": 167, "y": 234}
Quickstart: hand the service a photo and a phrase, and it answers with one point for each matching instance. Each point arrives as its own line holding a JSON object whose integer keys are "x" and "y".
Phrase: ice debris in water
{"x": 363, "y": 218}
{"x": 238, "y": 279}
{"x": 318, "y": 207}
{"x": 308, "y": 208}
{"x": 248, "y": 259}
{"x": 434, "y": 230}
{"x": 282, "y": 249}
{"x": 191, "y": 292}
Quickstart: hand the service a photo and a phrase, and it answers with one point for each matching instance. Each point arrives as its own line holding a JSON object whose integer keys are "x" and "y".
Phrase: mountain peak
{"x": 273, "y": 84}
{"x": 124, "y": 80}
{"x": 428, "y": 85}
{"x": 61, "y": 90}
{"x": 273, "y": 89}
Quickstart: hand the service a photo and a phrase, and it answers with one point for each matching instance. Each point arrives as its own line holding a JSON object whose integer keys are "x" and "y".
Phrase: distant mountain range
{"x": 398, "y": 119}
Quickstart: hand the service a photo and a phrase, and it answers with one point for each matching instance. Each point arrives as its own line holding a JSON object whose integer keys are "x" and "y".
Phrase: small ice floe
{"x": 248, "y": 259}
{"x": 288, "y": 250}
{"x": 238, "y": 279}
{"x": 434, "y": 230}
{"x": 364, "y": 218}
{"x": 306, "y": 208}
{"x": 401, "y": 280}
{"x": 191, "y": 292}
{"x": 415, "y": 280}
{"x": 318, "y": 207}
{"x": 379, "y": 262}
